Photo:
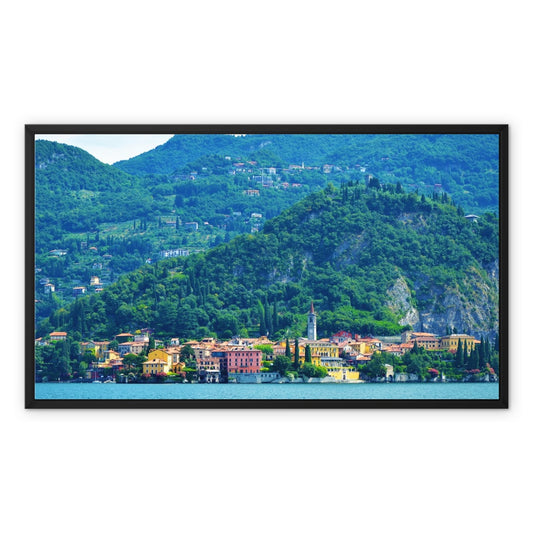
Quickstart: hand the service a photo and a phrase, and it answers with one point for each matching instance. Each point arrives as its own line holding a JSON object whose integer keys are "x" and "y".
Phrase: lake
{"x": 296, "y": 391}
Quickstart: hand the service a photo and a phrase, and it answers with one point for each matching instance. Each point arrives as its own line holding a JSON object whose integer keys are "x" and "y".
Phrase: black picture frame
{"x": 36, "y": 129}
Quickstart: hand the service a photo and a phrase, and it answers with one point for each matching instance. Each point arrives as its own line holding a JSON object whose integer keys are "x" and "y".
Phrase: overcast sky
{"x": 111, "y": 148}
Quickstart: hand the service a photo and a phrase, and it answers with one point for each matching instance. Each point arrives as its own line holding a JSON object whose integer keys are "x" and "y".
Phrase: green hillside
{"x": 74, "y": 192}
{"x": 463, "y": 166}
{"x": 93, "y": 219}
{"x": 373, "y": 258}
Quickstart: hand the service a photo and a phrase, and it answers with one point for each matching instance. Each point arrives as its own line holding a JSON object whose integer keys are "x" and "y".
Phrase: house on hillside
{"x": 49, "y": 288}
{"x": 58, "y": 336}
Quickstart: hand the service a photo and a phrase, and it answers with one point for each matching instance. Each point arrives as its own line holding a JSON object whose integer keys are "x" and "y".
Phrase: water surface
{"x": 266, "y": 391}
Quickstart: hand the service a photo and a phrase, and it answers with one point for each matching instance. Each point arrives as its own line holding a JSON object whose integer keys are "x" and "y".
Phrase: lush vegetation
{"x": 74, "y": 193}
{"x": 342, "y": 247}
{"x": 429, "y": 365}
{"x": 111, "y": 220}
{"x": 463, "y": 166}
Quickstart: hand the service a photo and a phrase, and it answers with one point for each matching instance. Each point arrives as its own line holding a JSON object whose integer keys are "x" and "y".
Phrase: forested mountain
{"x": 464, "y": 166}
{"x": 74, "y": 192}
{"x": 93, "y": 219}
{"x": 373, "y": 258}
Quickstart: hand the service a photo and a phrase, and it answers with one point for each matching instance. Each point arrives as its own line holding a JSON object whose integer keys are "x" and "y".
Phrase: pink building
{"x": 244, "y": 361}
{"x": 239, "y": 361}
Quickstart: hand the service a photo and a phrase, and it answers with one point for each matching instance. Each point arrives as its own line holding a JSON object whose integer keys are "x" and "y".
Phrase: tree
{"x": 269, "y": 323}
{"x": 187, "y": 354}
{"x": 312, "y": 371}
{"x": 89, "y": 356}
{"x": 282, "y": 364}
{"x": 459, "y": 355}
{"x": 262, "y": 319}
{"x": 497, "y": 342}
{"x": 287, "y": 348}
{"x": 275, "y": 318}
{"x": 483, "y": 355}
{"x": 296, "y": 354}
{"x": 82, "y": 369}
{"x": 131, "y": 360}
{"x": 374, "y": 368}
{"x": 266, "y": 349}
{"x": 308, "y": 358}
{"x": 473, "y": 359}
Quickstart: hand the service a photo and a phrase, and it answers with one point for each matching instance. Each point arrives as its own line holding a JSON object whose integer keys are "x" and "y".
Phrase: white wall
{"x": 274, "y": 62}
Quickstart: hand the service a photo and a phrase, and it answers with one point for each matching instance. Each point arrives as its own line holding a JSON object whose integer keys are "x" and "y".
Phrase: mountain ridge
{"x": 374, "y": 260}
{"x": 465, "y": 166}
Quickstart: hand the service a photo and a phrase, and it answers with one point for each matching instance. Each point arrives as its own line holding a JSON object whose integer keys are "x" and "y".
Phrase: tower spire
{"x": 311, "y": 323}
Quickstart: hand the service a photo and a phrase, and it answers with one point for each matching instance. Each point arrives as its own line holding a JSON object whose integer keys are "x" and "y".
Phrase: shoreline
{"x": 272, "y": 383}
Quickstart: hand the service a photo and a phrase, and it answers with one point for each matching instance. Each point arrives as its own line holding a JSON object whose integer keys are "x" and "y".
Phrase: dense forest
{"x": 197, "y": 192}
{"x": 74, "y": 192}
{"x": 106, "y": 223}
{"x": 463, "y": 166}
{"x": 368, "y": 255}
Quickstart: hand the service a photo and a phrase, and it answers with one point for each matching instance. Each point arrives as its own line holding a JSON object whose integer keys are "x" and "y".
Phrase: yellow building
{"x": 337, "y": 369}
{"x": 315, "y": 359}
{"x": 451, "y": 342}
{"x": 343, "y": 373}
{"x": 323, "y": 349}
{"x": 361, "y": 347}
{"x": 161, "y": 361}
{"x": 99, "y": 348}
{"x": 316, "y": 351}
{"x": 154, "y": 366}
{"x": 429, "y": 341}
{"x": 109, "y": 359}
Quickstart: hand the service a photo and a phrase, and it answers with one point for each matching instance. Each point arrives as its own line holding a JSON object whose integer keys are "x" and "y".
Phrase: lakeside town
{"x": 343, "y": 358}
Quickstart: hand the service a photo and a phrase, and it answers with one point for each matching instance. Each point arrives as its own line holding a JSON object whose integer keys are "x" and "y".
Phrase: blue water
{"x": 317, "y": 391}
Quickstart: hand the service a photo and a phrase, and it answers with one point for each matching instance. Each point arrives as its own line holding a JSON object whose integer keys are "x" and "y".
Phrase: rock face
{"x": 401, "y": 302}
{"x": 472, "y": 308}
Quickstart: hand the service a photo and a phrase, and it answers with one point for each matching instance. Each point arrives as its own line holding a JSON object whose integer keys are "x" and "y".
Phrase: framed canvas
{"x": 266, "y": 266}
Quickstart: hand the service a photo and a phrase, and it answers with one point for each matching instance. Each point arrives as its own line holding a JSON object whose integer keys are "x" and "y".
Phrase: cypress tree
{"x": 459, "y": 355}
{"x": 490, "y": 351}
{"x": 296, "y": 354}
{"x": 268, "y": 318}
{"x": 473, "y": 360}
{"x": 262, "y": 321}
{"x": 308, "y": 358}
{"x": 483, "y": 353}
{"x": 287, "y": 348}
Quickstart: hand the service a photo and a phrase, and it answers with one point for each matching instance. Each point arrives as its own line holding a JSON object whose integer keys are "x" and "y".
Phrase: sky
{"x": 110, "y": 148}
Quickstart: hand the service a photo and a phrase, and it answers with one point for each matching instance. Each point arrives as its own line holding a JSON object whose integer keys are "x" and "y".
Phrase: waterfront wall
{"x": 263, "y": 377}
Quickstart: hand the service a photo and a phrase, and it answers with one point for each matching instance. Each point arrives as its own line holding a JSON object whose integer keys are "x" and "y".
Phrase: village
{"x": 337, "y": 359}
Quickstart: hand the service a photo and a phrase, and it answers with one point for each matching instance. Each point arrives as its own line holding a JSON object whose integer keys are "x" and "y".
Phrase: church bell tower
{"x": 311, "y": 324}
